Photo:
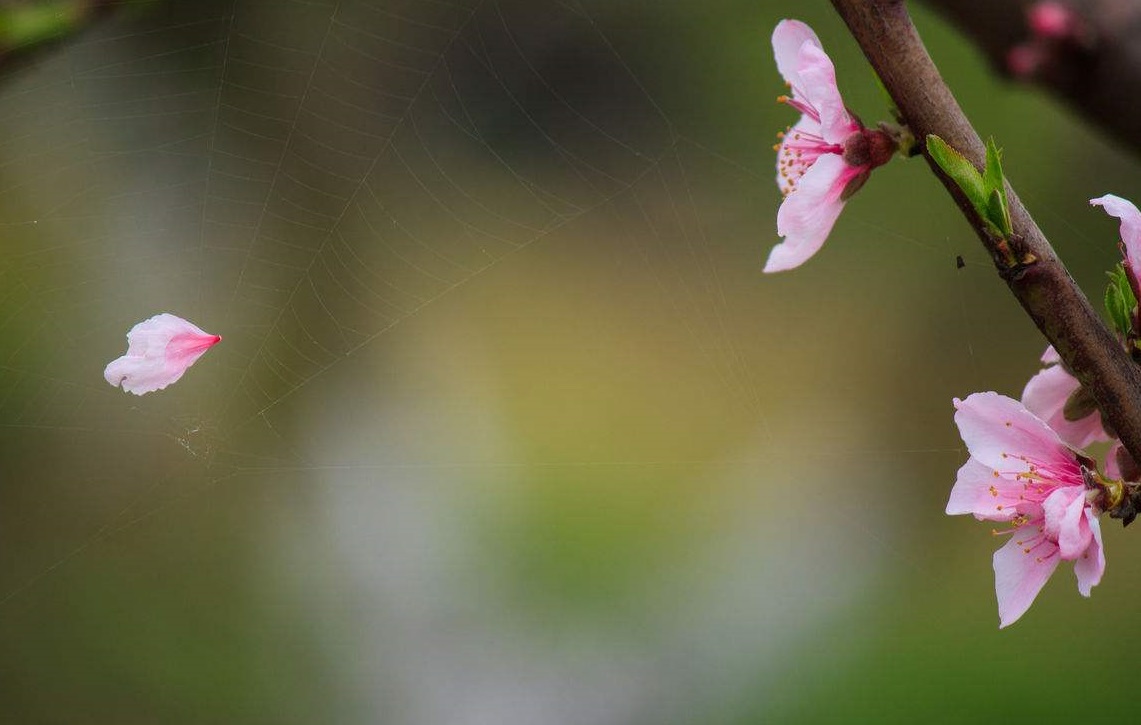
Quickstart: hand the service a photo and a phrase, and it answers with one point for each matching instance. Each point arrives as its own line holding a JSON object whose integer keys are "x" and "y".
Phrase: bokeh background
{"x": 507, "y": 426}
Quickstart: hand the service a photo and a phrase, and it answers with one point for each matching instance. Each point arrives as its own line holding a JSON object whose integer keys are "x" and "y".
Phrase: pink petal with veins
{"x": 987, "y": 497}
{"x": 1045, "y": 396}
{"x": 819, "y": 78}
{"x": 1091, "y": 565}
{"x": 1002, "y": 433}
{"x": 807, "y": 215}
{"x": 1020, "y": 574}
{"x": 789, "y": 37}
{"x": 1066, "y": 522}
{"x": 159, "y": 351}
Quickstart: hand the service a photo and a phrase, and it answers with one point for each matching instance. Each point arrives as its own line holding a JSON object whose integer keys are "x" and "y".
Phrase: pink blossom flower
{"x": 822, "y": 159}
{"x": 159, "y": 351}
{"x": 1130, "y": 218}
{"x": 1046, "y": 396}
{"x": 1051, "y": 19}
{"x": 1021, "y": 473}
{"x": 1059, "y": 39}
{"x": 1024, "y": 60}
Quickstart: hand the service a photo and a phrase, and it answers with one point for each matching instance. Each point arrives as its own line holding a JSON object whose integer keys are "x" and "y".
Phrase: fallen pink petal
{"x": 1021, "y": 473}
{"x": 825, "y": 156}
{"x": 159, "y": 351}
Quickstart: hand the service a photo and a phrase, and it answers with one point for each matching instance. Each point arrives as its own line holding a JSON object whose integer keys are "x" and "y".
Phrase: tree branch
{"x": 1101, "y": 80}
{"x": 1039, "y": 280}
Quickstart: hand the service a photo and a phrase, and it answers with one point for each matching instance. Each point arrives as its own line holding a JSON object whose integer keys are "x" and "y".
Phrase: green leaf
{"x": 992, "y": 174}
{"x": 961, "y": 171}
{"x": 985, "y": 191}
{"x": 997, "y": 214}
{"x": 1120, "y": 301}
{"x": 997, "y": 206}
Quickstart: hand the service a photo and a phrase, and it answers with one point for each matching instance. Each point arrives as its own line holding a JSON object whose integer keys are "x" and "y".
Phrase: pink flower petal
{"x": 971, "y": 493}
{"x": 1001, "y": 433}
{"x": 1091, "y": 565}
{"x": 1025, "y": 59}
{"x": 787, "y": 178}
{"x": 1054, "y": 20}
{"x": 1066, "y": 523}
{"x": 1046, "y": 393}
{"x": 159, "y": 351}
{"x": 978, "y": 491}
{"x": 789, "y": 37}
{"x": 818, "y": 76}
{"x": 1051, "y": 356}
{"x": 808, "y": 214}
{"x": 1112, "y": 468}
{"x": 1130, "y": 228}
{"x": 1019, "y": 576}
{"x": 1045, "y": 396}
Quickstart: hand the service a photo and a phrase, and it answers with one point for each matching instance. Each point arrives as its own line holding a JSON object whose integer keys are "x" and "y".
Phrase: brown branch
{"x": 1040, "y": 281}
{"x": 1100, "y": 77}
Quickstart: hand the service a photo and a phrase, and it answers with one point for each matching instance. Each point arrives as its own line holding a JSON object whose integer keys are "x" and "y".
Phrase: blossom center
{"x": 1033, "y": 485}
{"x": 797, "y": 152}
{"x": 868, "y": 147}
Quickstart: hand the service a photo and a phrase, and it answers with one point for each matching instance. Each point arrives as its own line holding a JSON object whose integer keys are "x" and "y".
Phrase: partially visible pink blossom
{"x": 1024, "y": 60}
{"x": 1051, "y": 19}
{"x": 1130, "y": 218}
{"x": 1019, "y": 472}
{"x": 1046, "y": 395}
{"x": 1057, "y": 32}
{"x": 159, "y": 351}
{"x": 825, "y": 156}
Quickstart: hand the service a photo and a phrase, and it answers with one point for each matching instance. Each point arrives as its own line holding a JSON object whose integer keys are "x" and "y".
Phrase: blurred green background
{"x": 507, "y": 426}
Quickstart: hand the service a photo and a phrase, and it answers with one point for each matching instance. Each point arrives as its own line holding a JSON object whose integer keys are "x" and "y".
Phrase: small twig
{"x": 1038, "y": 279}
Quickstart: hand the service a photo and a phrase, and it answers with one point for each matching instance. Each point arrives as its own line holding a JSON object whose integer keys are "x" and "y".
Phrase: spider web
{"x": 328, "y": 185}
